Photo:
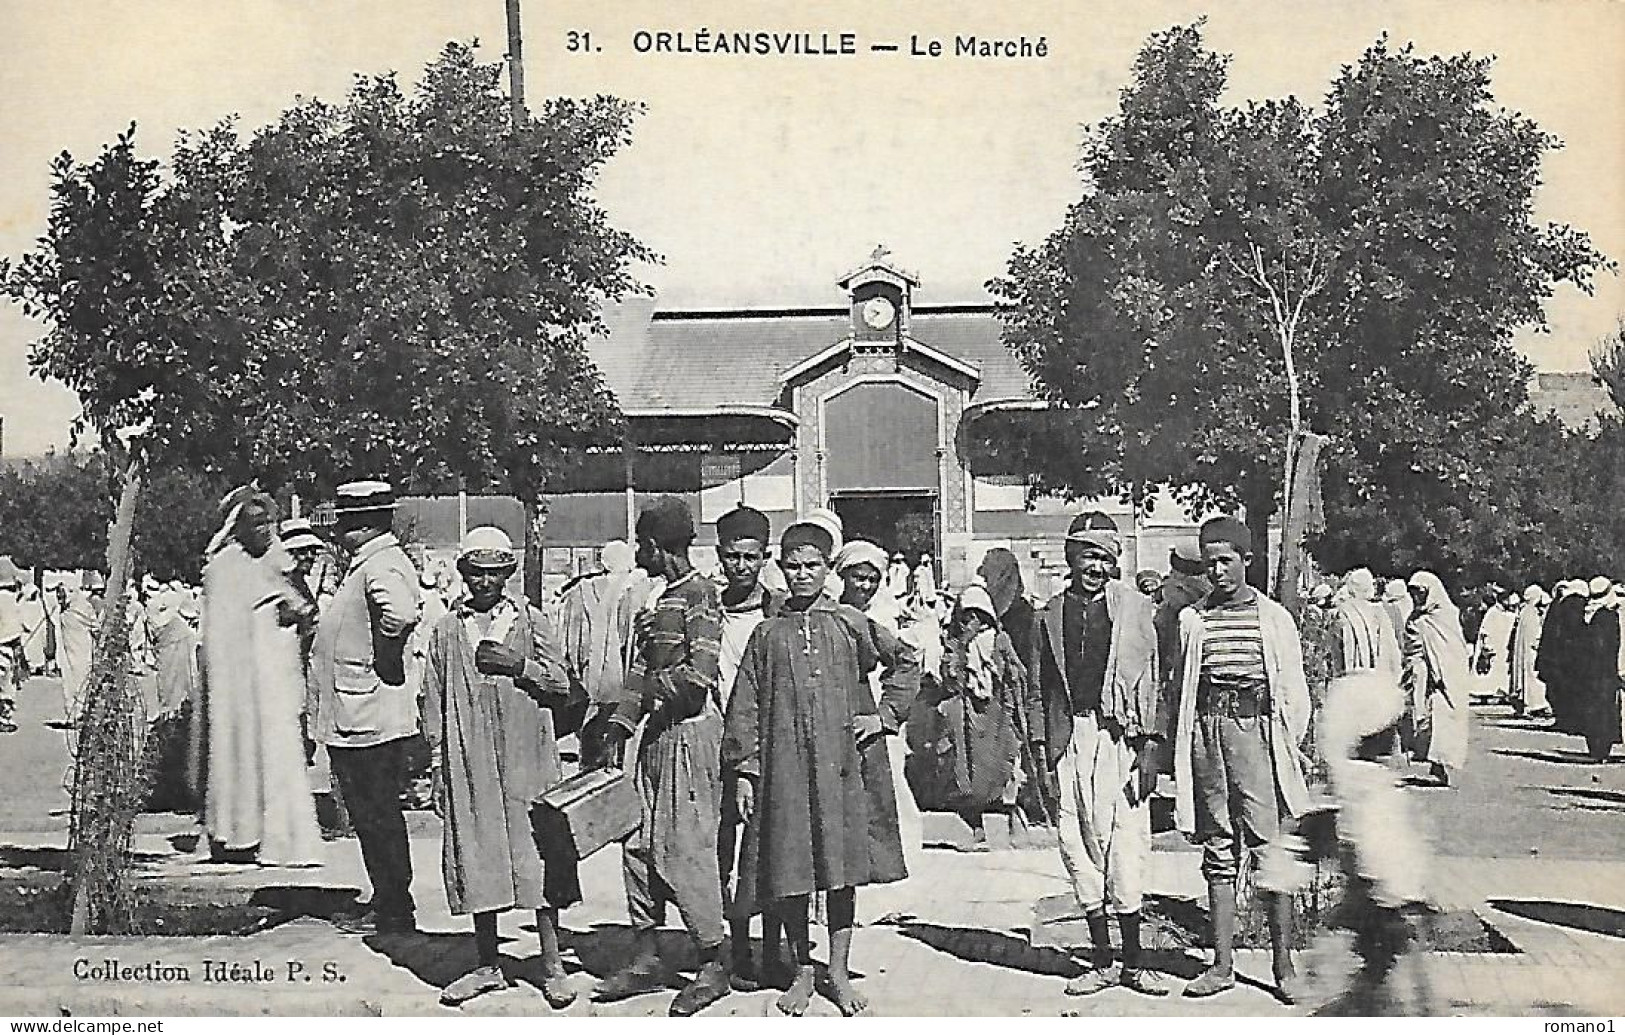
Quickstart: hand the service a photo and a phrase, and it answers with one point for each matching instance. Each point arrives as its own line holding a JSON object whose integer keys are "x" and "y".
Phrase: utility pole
{"x": 516, "y": 66}
{"x": 531, "y": 502}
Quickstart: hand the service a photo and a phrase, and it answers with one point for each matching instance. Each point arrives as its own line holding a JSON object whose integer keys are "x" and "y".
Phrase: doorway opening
{"x": 903, "y": 521}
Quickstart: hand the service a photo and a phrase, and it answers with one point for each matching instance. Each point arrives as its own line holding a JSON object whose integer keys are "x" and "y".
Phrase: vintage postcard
{"x": 727, "y": 508}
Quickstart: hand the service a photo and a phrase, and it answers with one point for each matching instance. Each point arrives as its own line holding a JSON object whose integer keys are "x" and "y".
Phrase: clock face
{"x": 878, "y": 313}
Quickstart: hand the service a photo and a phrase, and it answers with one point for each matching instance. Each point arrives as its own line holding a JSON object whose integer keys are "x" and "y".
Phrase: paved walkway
{"x": 953, "y": 940}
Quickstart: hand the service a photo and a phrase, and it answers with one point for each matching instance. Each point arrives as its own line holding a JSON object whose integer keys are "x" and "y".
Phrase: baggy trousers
{"x": 672, "y": 856}
{"x": 1105, "y": 838}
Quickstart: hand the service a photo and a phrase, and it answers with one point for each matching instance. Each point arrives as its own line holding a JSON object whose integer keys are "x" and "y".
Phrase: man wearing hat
{"x": 1244, "y": 709}
{"x": 492, "y": 675}
{"x": 305, "y": 547}
{"x": 1184, "y": 586}
{"x": 671, "y": 701}
{"x": 1101, "y": 719}
{"x": 364, "y": 711}
{"x": 742, "y": 537}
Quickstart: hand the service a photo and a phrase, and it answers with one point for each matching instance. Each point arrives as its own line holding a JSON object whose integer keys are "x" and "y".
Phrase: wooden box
{"x": 590, "y": 810}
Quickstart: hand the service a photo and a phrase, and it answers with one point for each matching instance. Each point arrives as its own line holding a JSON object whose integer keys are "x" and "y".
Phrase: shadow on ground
{"x": 1579, "y": 916}
{"x": 298, "y": 901}
{"x": 54, "y": 860}
{"x": 1593, "y": 800}
{"x": 604, "y": 949}
{"x": 1168, "y": 935}
{"x": 1555, "y": 757}
{"x": 1014, "y": 952}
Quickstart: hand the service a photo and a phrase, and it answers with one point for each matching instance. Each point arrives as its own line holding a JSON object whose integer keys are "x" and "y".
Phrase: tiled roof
{"x": 655, "y": 359}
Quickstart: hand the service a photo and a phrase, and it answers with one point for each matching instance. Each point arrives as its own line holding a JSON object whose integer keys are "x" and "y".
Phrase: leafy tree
{"x": 426, "y": 278}
{"x": 55, "y": 512}
{"x": 1608, "y": 364}
{"x": 401, "y": 285}
{"x": 1233, "y": 276}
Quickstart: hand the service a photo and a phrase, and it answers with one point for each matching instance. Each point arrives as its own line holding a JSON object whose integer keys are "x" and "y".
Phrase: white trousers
{"x": 1105, "y": 840}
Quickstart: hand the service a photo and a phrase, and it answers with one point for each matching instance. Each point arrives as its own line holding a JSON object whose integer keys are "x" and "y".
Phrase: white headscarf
{"x": 1360, "y": 584}
{"x": 231, "y": 505}
{"x": 618, "y": 556}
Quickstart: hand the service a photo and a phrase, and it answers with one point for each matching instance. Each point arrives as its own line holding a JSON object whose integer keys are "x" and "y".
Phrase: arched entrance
{"x": 882, "y": 464}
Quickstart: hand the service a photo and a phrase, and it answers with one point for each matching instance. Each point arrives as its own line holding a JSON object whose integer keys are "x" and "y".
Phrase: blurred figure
{"x": 897, "y": 576}
{"x": 1385, "y": 847}
{"x": 1149, "y": 582}
{"x": 1492, "y": 650}
{"x": 596, "y": 618}
{"x": 1018, "y": 619}
{"x": 36, "y": 629}
{"x": 1558, "y": 655}
{"x": 969, "y": 762}
{"x": 1599, "y": 670}
{"x": 13, "y": 667}
{"x": 925, "y": 578}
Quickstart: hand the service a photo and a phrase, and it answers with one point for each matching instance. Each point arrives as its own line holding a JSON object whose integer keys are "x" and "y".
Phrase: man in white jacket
{"x": 1244, "y": 711}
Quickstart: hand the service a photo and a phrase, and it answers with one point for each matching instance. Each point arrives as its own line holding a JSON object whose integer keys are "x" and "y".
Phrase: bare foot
{"x": 794, "y": 1002}
{"x": 846, "y": 998}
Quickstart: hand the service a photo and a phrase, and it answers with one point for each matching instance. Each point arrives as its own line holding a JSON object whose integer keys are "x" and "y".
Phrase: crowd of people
{"x": 785, "y": 720}
{"x": 1551, "y": 657}
{"x": 51, "y": 631}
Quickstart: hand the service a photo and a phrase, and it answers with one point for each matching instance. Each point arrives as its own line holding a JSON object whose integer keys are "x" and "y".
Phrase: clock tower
{"x": 880, "y": 294}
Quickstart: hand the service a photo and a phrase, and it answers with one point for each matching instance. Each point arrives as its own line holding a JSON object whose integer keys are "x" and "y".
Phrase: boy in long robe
{"x": 676, "y": 766}
{"x": 800, "y": 714}
{"x": 491, "y": 671}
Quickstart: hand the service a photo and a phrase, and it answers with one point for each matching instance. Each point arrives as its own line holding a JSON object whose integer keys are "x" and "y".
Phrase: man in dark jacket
{"x": 1102, "y": 714}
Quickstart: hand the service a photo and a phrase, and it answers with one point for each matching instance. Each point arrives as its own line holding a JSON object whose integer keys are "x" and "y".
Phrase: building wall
{"x": 909, "y": 370}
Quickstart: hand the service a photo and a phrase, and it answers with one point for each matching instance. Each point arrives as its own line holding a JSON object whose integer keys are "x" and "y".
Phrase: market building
{"x": 871, "y": 405}
{"x": 867, "y": 406}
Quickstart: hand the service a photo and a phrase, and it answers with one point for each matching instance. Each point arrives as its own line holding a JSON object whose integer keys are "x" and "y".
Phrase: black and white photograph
{"x": 735, "y": 508}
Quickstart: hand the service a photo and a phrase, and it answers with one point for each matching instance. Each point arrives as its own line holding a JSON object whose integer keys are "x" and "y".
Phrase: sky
{"x": 762, "y": 179}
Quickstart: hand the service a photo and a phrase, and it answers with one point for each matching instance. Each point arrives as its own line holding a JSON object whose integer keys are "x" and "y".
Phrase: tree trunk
{"x": 106, "y": 782}
{"x": 535, "y": 519}
{"x": 1297, "y": 520}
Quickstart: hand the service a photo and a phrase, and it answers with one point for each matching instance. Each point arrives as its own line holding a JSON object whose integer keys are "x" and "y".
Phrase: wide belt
{"x": 1231, "y": 701}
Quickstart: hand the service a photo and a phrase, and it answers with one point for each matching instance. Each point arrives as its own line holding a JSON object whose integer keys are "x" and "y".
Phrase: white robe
{"x": 256, "y": 791}
{"x": 76, "y": 641}
{"x": 1495, "y": 643}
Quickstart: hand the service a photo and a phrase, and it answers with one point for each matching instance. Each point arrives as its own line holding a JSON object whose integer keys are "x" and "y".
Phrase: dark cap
{"x": 743, "y": 523}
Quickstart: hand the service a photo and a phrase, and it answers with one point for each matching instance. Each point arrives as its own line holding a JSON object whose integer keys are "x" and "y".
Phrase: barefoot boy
{"x": 799, "y": 714}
